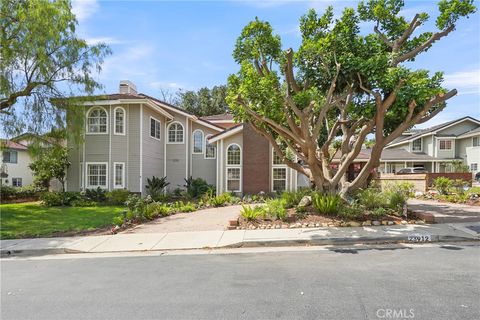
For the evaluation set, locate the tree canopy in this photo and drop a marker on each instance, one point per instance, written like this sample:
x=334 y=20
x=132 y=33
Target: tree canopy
x=42 y=59
x=205 y=101
x=340 y=85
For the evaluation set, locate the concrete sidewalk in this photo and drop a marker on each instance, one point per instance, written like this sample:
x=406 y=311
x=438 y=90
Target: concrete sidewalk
x=238 y=238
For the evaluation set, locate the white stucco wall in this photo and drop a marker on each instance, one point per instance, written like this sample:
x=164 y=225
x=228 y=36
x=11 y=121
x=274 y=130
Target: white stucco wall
x=19 y=169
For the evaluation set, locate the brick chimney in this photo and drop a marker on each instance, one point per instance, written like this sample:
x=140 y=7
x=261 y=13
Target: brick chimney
x=127 y=87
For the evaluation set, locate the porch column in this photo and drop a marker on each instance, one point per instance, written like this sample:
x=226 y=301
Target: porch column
x=386 y=168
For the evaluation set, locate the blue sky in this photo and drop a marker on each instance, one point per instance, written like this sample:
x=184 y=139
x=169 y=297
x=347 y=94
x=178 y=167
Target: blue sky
x=188 y=44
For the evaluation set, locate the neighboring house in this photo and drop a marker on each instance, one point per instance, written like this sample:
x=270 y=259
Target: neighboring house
x=15 y=162
x=130 y=137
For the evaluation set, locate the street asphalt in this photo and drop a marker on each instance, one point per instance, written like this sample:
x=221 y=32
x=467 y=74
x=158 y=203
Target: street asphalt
x=440 y=281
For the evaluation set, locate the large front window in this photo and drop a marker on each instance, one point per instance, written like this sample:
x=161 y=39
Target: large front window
x=175 y=133
x=197 y=141
x=233 y=179
x=417 y=145
x=279 y=179
x=97 y=175
x=97 y=121
x=234 y=155
x=445 y=144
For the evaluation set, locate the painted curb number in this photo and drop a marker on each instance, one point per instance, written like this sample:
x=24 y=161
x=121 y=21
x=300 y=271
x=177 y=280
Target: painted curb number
x=420 y=238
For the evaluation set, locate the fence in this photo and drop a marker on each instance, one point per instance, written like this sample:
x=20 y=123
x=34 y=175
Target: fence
x=465 y=176
x=422 y=181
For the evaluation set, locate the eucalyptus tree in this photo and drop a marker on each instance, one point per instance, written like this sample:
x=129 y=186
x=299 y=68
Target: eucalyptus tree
x=340 y=86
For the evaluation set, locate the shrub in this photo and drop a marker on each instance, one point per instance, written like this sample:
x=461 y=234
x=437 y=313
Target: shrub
x=97 y=195
x=326 y=204
x=275 y=208
x=396 y=200
x=118 y=220
x=7 y=192
x=351 y=212
x=222 y=199
x=250 y=213
x=179 y=206
x=197 y=187
x=292 y=198
x=372 y=198
x=379 y=213
x=82 y=203
x=442 y=184
x=136 y=206
x=156 y=187
x=406 y=189
x=53 y=199
x=25 y=192
x=474 y=191
x=117 y=196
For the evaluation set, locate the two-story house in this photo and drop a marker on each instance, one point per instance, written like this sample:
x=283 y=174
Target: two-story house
x=130 y=137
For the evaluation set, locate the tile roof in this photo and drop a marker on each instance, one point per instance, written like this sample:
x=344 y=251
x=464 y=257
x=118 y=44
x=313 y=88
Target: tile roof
x=219 y=117
x=8 y=144
x=393 y=154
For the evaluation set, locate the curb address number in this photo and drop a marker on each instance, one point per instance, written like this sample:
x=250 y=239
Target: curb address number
x=420 y=238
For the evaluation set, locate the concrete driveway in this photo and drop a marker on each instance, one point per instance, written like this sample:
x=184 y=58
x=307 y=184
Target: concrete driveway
x=203 y=220
x=443 y=212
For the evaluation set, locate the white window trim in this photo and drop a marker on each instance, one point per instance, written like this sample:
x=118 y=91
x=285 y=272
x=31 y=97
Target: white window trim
x=86 y=122
x=234 y=166
x=16 y=179
x=202 y=141
x=115 y=121
x=116 y=186
x=241 y=155
x=421 y=145
x=82 y=175
x=280 y=166
x=150 y=128
x=452 y=144
x=478 y=141
x=88 y=186
x=167 y=138
x=214 y=144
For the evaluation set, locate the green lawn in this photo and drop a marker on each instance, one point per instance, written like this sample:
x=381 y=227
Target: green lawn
x=24 y=220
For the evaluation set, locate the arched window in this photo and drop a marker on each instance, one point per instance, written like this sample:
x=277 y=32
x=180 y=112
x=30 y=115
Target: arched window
x=210 y=149
x=119 y=120
x=97 y=121
x=234 y=155
x=175 y=133
x=198 y=141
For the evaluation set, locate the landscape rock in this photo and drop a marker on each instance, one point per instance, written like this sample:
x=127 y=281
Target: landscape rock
x=354 y=224
x=419 y=222
x=376 y=223
x=390 y=223
x=404 y=222
x=306 y=201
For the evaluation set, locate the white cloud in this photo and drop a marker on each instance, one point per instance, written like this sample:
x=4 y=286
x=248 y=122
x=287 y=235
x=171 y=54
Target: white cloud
x=133 y=62
x=83 y=9
x=466 y=82
x=166 y=85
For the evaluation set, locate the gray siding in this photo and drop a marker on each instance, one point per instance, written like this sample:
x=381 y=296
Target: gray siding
x=153 y=149
x=201 y=167
x=132 y=170
x=176 y=157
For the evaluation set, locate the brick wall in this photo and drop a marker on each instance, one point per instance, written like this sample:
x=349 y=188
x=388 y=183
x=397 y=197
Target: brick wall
x=256 y=162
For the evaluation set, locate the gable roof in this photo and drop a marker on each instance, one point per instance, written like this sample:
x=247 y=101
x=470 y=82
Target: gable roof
x=431 y=130
x=470 y=133
x=226 y=133
x=8 y=144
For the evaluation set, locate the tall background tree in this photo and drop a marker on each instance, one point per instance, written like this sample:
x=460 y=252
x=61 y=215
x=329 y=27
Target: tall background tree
x=42 y=59
x=205 y=101
x=340 y=86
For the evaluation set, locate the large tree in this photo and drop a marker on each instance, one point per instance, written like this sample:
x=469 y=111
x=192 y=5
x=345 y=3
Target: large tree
x=340 y=85
x=205 y=101
x=41 y=58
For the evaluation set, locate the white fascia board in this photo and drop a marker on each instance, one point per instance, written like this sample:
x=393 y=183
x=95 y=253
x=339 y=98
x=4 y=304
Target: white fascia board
x=154 y=106
x=457 y=122
x=208 y=125
x=409 y=140
x=186 y=114
x=226 y=134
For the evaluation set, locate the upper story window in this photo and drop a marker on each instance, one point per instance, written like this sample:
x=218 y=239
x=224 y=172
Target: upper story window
x=210 y=149
x=417 y=145
x=198 y=141
x=445 y=144
x=234 y=155
x=476 y=142
x=277 y=159
x=155 y=128
x=175 y=133
x=119 y=120
x=10 y=156
x=97 y=120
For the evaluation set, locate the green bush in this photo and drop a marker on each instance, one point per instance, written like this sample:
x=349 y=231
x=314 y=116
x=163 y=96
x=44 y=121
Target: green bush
x=250 y=213
x=53 y=199
x=7 y=192
x=222 y=199
x=351 y=212
x=326 y=204
x=474 y=191
x=292 y=198
x=117 y=196
x=136 y=207
x=197 y=187
x=372 y=198
x=396 y=200
x=118 y=220
x=180 y=206
x=155 y=187
x=406 y=189
x=275 y=208
x=378 y=213
x=443 y=184
x=82 y=203
x=97 y=195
